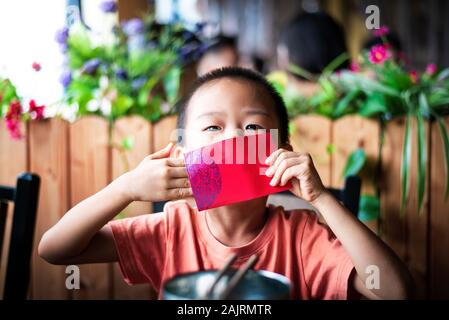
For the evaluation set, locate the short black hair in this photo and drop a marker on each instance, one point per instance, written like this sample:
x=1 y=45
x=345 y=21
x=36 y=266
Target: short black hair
x=313 y=41
x=245 y=74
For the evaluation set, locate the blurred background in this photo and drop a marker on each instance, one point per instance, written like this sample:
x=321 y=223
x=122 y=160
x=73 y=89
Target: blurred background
x=89 y=88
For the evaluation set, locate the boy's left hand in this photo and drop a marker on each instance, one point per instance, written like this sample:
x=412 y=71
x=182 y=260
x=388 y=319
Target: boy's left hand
x=298 y=167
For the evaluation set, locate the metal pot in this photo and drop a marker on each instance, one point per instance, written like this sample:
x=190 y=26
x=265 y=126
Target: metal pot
x=256 y=285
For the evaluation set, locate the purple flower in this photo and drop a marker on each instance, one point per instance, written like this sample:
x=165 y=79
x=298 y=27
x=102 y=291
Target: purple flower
x=91 y=66
x=133 y=27
x=62 y=36
x=65 y=78
x=108 y=6
x=121 y=74
x=138 y=83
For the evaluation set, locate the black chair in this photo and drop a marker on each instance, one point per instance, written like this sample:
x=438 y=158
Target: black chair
x=25 y=198
x=349 y=195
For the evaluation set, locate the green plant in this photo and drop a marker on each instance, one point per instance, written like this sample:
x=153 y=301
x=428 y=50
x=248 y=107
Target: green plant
x=379 y=87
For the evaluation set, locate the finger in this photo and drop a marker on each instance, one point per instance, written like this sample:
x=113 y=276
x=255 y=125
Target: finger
x=164 y=153
x=283 y=156
x=179 y=193
x=176 y=162
x=178 y=183
x=177 y=172
x=290 y=173
x=287 y=163
x=273 y=156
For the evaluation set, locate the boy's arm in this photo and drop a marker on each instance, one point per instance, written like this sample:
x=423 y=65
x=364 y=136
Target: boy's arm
x=82 y=236
x=363 y=246
x=365 y=250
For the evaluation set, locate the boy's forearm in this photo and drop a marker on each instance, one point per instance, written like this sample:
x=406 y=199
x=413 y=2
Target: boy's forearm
x=72 y=234
x=365 y=248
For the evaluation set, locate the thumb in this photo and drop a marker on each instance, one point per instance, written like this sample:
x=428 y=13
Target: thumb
x=163 y=153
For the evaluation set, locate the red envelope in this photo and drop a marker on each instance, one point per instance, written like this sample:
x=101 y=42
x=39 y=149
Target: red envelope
x=231 y=170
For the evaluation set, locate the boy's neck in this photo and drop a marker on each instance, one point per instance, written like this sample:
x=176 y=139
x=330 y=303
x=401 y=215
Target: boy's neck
x=238 y=224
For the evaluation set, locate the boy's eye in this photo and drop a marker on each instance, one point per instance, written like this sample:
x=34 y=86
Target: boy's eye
x=253 y=127
x=212 y=128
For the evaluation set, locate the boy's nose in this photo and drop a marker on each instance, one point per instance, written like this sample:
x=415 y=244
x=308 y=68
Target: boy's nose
x=233 y=132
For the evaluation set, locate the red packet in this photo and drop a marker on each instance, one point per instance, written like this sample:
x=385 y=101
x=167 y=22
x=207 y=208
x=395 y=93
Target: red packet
x=231 y=170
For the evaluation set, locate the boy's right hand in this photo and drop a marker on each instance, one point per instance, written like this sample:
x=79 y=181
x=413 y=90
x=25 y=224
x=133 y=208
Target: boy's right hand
x=157 y=178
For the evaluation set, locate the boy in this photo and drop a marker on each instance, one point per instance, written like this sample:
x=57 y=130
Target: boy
x=153 y=248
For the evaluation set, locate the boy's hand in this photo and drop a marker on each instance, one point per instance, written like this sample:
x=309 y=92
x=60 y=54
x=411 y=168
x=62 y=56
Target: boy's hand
x=298 y=167
x=157 y=178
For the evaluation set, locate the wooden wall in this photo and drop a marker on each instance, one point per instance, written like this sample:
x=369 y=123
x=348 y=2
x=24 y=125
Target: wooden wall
x=74 y=161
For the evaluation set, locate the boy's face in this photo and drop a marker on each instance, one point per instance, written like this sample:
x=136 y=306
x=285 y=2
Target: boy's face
x=226 y=108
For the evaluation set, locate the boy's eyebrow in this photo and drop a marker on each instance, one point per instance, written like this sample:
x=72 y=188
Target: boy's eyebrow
x=257 y=111
x=211 y=113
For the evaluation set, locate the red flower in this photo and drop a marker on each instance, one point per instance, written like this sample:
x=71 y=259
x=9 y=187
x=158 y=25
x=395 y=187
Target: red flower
x=382 y=31
x=355 y=67
x=37 y=112
x=36 y=66
x=413 y=76
x=431 y=69
x=378 y=54
x=12 y=119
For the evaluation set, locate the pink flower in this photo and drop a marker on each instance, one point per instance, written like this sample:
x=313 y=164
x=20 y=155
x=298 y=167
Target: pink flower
x=12 y=119
x=431 y=69
x=378 y=54
x=37 y=112
x=36 y=66
x=382 y=31
x=413 y=76
x=355 y=67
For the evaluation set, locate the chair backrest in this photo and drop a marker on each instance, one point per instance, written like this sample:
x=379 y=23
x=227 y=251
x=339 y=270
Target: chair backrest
x=25 y=198
x=349 y=196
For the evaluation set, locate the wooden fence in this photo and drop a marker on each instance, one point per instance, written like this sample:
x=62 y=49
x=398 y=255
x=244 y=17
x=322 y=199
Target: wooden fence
x=75 y=161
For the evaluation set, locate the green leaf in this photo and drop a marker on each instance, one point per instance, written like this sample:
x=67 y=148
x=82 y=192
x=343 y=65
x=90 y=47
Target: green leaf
x=445 y=138
x=355 y=163
x=301 y=72
x=405 y=165
x=374 y=104
x=128 y=143
x=171 y=84
x=334 y=64
x=358 y=81
x=121 y=105
x=343 y=104
x=369 y=208
x=330 y=148
x=422 y=159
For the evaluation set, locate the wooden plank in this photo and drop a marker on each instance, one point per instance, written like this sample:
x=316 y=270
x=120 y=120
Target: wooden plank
x=89 y=171
x=348 y=134
x=139 y=130
x=393 y=227
x=13 y=161
x=312 y=134
x=439 y=220
x=416 y=256
x=13 y=156
x=163 y=132
x=49 y=159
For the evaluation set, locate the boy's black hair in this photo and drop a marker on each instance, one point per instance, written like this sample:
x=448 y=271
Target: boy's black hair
x=313 y=40
x=244 y=74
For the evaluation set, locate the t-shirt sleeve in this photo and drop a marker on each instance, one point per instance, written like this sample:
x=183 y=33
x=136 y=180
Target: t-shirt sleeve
x=141 y=246
x=326 y=265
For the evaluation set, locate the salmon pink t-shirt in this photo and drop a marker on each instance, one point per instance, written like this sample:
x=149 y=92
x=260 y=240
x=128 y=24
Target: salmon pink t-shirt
x=155 y=247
